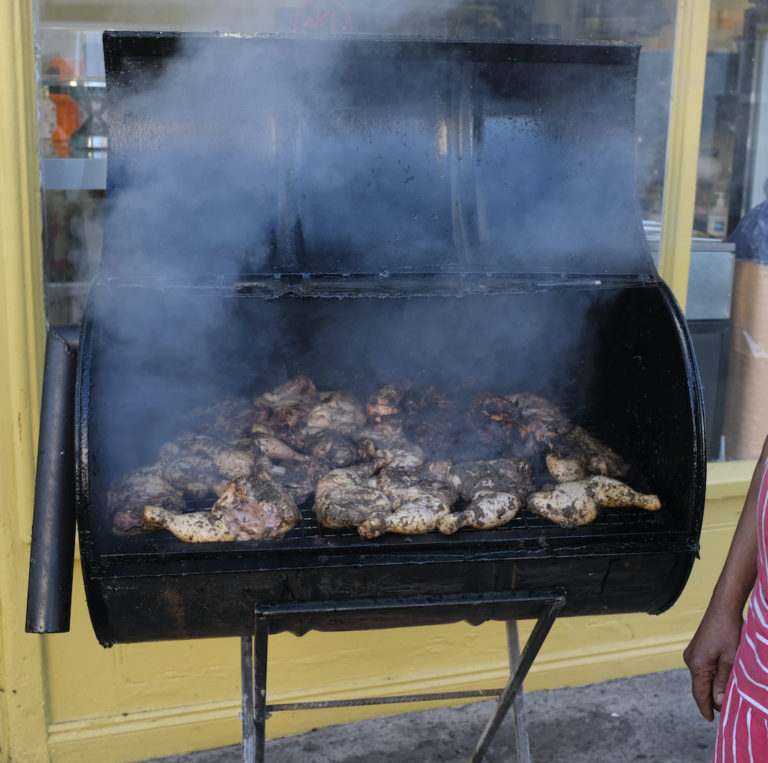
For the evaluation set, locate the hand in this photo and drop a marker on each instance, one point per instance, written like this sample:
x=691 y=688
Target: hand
x=710 y=657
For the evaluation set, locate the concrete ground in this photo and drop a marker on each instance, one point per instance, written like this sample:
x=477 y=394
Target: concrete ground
x=649 y=718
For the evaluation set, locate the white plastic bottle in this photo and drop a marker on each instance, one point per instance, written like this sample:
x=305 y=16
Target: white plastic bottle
x=717 y=219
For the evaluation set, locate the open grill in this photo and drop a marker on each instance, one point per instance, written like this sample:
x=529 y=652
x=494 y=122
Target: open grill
x=480 y=220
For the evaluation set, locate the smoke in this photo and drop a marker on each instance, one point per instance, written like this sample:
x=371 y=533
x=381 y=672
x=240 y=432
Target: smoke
x=237 y=157
x=256 y=154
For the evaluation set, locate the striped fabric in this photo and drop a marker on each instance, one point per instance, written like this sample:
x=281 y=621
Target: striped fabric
x=742 y=734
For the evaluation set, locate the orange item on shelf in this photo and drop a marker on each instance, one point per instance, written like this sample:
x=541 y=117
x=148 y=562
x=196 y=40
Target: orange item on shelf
x=67 y=110
x=67 y=121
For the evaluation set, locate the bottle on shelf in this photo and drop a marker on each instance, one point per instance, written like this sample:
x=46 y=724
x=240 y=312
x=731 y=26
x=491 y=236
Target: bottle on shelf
x=717 y=218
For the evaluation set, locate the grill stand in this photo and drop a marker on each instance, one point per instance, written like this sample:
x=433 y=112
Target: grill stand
x=253 y=653
x=522 y=744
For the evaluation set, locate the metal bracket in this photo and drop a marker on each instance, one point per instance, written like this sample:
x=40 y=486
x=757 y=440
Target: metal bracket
x=253 y=653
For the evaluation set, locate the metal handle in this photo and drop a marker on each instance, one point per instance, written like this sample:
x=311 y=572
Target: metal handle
x=49 y=593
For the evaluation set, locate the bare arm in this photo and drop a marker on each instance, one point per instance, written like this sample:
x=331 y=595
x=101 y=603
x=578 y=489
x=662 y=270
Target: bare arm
x=712 y=650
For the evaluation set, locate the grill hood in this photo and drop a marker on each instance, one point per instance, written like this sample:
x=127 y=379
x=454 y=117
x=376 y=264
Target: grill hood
x=237 y=155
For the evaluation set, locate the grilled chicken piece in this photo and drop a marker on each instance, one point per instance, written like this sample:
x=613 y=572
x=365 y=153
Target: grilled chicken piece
x=253 y=508
x=541 y=423
x=496 y=490
x=565 y=469
x=231 y=460
x=268 y=444
x=385 y=401
x=195 y=475
x=232 y=456
x=389 y=445
x=489 y=508
x=571 y=504
x=228 y=419
x=405 y=457
x=494 y=420
x=417 y=512
x=499 y=474
x=419 y=500
x=494 y=408
x=195 y=527
x=338 y=410
x=388 y=432
x=289 y=404
x=347 y=497
x=441 y=438
x=397 y=483
x=200 y=465
x=428 y=402
x=333 y=448
x=535 y=406
x=257 y=507
x=434 y=421
x=578 y=454
x=128 y=495
x=299 y=478
x=324 y=445
x=298 y=388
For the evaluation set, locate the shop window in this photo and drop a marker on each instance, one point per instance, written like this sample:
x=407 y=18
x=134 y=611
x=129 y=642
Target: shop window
x=730 y=196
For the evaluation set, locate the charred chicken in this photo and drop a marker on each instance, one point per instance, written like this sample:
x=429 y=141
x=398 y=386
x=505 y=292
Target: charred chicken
x=410 y=460
x=250 y=508
x=572 y=504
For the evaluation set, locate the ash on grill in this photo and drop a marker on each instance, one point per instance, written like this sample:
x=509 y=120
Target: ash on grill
x=409 y=461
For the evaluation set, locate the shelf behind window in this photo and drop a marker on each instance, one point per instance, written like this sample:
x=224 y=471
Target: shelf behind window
x=81 y=174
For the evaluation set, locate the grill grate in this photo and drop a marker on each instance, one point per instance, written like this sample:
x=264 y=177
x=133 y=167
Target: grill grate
x=525 y=523
x=526 y=531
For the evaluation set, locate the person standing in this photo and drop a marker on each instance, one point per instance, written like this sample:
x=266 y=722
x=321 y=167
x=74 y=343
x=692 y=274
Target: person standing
x=727 y=657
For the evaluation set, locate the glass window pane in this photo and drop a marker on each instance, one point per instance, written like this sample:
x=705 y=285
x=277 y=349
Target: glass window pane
x=730 y=205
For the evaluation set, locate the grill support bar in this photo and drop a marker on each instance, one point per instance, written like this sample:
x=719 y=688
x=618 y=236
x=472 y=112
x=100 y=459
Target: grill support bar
x=253 y=654
x=253 y=665
x=522 y=743
x=515 y=683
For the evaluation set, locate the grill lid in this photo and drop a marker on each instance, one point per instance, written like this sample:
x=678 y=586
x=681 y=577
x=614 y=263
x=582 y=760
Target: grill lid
x=237 y=155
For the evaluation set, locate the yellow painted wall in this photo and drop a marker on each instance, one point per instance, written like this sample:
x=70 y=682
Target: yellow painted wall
x=64 y=698
x=22 y=712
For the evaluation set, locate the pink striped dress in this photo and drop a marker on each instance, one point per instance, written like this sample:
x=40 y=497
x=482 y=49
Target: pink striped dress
x=742 y=734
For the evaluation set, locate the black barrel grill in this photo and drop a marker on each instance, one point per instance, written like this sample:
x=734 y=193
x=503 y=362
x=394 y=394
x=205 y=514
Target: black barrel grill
x=366 y=210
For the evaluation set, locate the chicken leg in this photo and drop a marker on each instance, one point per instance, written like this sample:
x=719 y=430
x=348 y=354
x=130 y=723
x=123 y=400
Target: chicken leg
x=252 y=508
x=572 y=504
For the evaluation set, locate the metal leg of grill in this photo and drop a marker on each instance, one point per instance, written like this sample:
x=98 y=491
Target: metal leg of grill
x=253 y=653
x=512 y=689
x=253 y=662
x=518 y=707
